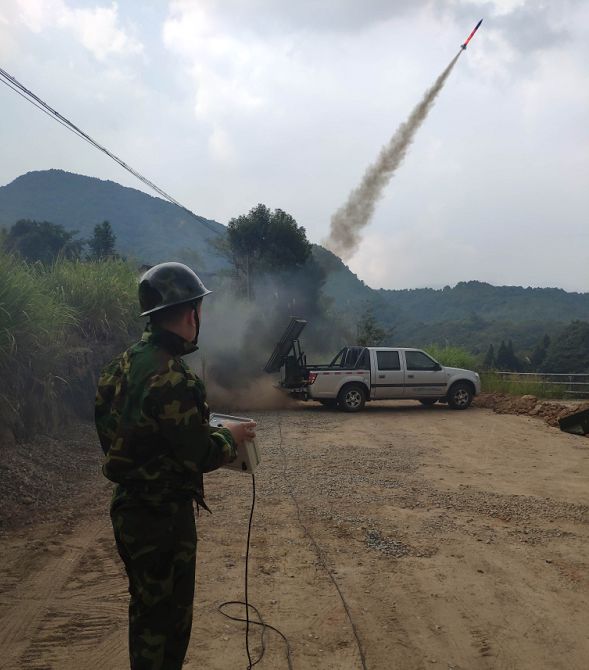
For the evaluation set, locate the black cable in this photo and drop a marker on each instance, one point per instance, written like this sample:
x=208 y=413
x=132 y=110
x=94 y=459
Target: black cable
x=247 y=558
x=28 y=95
x=319 y=552
x=22 y=95
x=247 y=604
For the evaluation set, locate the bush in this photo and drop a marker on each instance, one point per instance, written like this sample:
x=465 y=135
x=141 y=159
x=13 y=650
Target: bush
x=453 y=357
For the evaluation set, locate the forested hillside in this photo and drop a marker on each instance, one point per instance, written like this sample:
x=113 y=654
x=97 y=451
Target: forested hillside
x=148 y=229
x=471 y=314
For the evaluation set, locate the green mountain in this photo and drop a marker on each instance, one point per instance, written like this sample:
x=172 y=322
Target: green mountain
x=471 y=314
x=474 y=300
x=147 y=228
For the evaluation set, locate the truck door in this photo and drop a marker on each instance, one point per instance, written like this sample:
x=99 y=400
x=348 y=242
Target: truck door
x=424 y=378
x=387 y=378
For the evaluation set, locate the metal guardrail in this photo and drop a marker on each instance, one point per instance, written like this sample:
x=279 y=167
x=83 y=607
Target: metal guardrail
x=569 y=384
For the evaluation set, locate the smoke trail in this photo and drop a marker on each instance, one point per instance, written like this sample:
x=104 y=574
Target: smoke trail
x=351 y=218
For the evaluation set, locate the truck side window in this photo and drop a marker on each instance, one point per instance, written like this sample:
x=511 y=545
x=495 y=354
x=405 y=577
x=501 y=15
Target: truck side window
x=417 y=360
x=388 y=360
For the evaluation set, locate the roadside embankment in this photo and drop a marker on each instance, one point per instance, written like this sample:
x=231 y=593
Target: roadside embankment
x=549 y=410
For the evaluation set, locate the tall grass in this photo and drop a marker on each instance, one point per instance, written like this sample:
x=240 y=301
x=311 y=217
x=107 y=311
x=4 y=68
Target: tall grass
x=34 y=323
x=491 y=382
x=101 y=294
x=58 y=325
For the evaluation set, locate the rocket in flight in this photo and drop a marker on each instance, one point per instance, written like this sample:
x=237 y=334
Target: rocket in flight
x=463 y=46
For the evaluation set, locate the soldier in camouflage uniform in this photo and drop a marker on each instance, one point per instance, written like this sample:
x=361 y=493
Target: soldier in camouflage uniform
x=152 y=421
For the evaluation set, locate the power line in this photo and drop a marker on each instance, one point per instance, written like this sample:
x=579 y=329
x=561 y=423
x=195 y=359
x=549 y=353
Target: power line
x=12 y=83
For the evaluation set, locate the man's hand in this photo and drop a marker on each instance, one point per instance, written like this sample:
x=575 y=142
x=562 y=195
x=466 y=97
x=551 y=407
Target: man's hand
x=242 y=432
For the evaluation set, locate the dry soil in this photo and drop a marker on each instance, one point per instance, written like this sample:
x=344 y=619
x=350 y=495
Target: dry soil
x=456 y=539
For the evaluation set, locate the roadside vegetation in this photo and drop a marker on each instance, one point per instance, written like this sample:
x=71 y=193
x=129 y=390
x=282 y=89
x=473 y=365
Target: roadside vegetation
x=61 y=315
x=533 y=385
x=539 y=385
x=454 y=357
x=101 y=295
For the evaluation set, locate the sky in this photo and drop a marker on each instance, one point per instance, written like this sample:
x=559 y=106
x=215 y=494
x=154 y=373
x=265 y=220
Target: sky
x=228 y=103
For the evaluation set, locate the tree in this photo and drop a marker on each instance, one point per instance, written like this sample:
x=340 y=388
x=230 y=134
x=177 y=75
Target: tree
x=507 y=359
x=514 y=362
x=489 y=363
x=569 y=352
x=539 y=353
x=41 y=241
x=368 y=331
x=262 y=242
x=502 y=358
x=102 y=243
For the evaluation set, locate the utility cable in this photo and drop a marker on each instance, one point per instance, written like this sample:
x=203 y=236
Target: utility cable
x=245 y=581
x=22 y=95
x=12 y=83
x=248 y=622
x=319 y=552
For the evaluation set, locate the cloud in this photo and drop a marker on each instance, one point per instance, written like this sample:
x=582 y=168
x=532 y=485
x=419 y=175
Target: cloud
x=240 y=53
x=97 y=29
x=222 y=66
x=268 y=16
x=533 y=26
x=525 y=24
x=221 y=147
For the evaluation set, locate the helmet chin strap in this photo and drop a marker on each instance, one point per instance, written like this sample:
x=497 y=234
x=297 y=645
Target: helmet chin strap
x=195 y=340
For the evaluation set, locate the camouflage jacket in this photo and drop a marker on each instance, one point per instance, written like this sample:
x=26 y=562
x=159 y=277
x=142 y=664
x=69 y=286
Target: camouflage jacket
x=152 y=420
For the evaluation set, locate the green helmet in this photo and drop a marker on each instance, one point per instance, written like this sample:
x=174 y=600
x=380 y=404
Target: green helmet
x=169 y=284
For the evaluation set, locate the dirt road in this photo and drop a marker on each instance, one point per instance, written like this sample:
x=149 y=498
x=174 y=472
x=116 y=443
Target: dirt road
x=457 y=540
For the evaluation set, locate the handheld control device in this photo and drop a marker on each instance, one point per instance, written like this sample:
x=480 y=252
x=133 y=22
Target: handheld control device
x=248 y=457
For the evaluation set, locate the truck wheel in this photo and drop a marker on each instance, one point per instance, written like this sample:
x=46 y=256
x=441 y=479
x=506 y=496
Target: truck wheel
x=460 y=395
x=352 y=398
x=428 y=402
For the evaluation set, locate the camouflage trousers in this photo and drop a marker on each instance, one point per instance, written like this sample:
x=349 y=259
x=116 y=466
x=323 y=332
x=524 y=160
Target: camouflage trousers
x=156 y=538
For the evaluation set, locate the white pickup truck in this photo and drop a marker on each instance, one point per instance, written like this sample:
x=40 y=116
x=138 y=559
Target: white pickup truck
x=384 y=373
x=360 y=374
